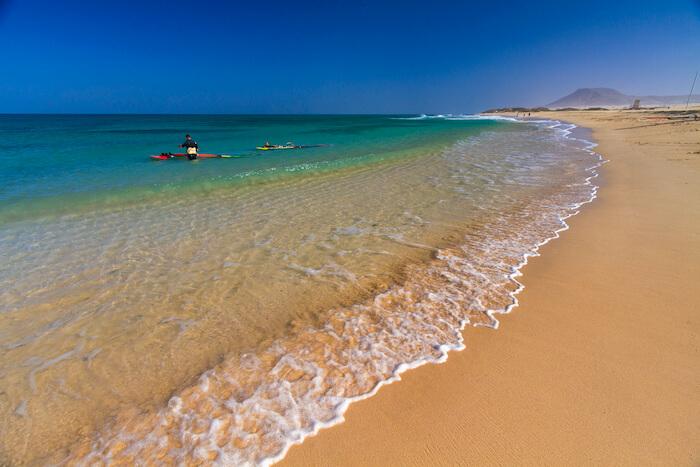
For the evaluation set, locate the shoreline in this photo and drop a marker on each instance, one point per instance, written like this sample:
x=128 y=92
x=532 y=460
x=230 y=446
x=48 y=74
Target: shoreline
x=580 y=191
x=446 y=350
x=431 y=420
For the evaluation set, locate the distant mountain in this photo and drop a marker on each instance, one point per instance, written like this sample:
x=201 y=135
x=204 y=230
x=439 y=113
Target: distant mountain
x=592 y=97
x=605 y=97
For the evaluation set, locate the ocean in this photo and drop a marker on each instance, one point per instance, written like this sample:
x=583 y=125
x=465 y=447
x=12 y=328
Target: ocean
x=221 y=310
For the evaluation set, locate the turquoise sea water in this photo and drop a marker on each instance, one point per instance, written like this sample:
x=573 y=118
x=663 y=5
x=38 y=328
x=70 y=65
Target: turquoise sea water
x=65 y=162
x=220 y=310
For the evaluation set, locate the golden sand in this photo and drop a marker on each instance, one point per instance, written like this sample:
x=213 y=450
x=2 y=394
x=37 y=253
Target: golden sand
x=601 y=362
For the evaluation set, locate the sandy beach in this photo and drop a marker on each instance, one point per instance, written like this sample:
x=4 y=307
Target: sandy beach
x=600 y=363
x=299 y=238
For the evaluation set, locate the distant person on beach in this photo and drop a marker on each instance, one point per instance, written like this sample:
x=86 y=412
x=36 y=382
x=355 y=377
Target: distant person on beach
x=191 y=147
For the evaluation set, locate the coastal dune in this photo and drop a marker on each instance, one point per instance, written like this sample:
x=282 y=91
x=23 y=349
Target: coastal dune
x=600 y=363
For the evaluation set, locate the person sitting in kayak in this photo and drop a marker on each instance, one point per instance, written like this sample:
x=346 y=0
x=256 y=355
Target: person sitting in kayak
x=268 y=145
x=191 y=147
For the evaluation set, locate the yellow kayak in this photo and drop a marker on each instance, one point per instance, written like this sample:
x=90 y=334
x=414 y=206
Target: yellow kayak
x=274 y=148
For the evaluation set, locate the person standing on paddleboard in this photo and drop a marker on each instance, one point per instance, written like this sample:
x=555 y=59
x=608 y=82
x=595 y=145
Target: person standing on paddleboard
x=191 y=147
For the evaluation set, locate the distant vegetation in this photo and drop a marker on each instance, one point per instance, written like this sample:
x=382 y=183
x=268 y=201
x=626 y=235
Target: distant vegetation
x=538 y=109
x=517 y=109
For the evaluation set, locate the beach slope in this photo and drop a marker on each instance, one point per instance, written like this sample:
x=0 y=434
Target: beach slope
x=600 y=364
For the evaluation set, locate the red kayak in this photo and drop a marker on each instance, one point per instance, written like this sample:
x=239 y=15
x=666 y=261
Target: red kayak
x=163 y=157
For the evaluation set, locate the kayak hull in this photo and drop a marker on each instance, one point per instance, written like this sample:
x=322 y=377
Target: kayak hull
x=165 y=157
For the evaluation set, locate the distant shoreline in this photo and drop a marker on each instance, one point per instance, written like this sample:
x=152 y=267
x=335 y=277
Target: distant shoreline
x=677 y=109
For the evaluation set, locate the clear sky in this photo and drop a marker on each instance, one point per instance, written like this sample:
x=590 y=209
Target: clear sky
x=269 y=56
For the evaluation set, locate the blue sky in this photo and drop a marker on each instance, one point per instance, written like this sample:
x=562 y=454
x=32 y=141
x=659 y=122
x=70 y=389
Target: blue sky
x=360 y=56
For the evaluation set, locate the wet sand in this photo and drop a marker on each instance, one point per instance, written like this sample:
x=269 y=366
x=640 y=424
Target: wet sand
x=600 y=363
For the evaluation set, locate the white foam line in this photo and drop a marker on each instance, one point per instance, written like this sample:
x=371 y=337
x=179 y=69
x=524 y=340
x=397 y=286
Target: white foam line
x=564 y=225
x=445 y=348
x=459 y=117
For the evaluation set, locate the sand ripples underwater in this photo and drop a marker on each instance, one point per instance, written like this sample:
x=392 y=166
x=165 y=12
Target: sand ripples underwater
x=250 y=409
x=288 y=302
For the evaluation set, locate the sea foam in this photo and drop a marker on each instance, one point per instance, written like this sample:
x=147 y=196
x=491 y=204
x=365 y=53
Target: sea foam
x=250 y=409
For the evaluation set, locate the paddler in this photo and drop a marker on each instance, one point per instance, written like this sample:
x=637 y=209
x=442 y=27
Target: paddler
x=191 y=147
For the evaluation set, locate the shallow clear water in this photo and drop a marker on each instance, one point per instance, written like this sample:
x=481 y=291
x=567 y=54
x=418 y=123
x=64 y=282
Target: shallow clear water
x=222 y=309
